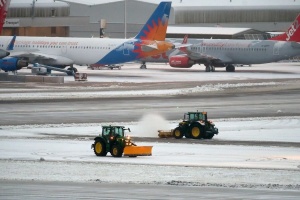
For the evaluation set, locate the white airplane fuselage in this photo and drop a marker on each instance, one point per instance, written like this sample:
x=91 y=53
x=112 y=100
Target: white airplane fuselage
x=243 y=51
x=68 y=51
x=234 y=51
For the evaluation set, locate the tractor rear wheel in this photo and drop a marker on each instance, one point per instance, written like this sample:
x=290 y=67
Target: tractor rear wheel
x=116 y=151
x=196 y=131
x=99 y=148
x=178 y=133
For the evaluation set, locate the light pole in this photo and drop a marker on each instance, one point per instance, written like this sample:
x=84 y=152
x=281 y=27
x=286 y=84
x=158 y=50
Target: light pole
x=125 y=19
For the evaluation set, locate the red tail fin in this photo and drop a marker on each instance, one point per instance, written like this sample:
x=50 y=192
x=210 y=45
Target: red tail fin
x=292 y=34
x=183 y=49
x=3 y=10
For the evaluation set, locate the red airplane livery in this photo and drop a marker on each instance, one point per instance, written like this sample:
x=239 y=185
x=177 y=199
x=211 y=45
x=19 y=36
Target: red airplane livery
x=3 y=11
x=291 y=34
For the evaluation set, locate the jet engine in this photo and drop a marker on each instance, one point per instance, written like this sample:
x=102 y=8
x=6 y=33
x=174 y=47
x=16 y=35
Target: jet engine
x=181 y=61
x=12 y=64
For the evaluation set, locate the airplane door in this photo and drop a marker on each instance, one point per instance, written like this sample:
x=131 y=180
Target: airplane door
x=276 y=49
x=125 y=49
x=63 y=49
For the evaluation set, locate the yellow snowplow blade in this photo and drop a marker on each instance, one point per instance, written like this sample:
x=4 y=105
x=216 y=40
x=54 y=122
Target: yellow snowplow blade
x=165 y=133
x=133 y=151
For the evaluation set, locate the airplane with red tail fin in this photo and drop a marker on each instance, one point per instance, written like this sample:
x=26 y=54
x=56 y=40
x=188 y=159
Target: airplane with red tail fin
x=292 y=34
x=229 y=53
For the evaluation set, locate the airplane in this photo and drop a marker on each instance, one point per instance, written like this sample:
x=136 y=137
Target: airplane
x=59 y=52
x=4 y=4
x=230 y=53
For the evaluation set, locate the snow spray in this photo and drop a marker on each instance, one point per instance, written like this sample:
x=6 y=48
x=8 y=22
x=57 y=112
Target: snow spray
x=149 y=125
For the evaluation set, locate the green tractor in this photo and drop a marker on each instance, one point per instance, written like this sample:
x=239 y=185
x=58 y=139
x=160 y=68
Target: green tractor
x=195 y=125
x=113 y=140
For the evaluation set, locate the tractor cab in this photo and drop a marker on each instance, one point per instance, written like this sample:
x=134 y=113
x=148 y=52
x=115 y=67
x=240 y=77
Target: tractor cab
x=195 y=116
x=112 y=132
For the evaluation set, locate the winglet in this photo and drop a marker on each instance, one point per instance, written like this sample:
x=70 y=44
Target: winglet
x=182 y=46
x=292 y=34
x=184 y=42
x=156 y=26
x=11 y=44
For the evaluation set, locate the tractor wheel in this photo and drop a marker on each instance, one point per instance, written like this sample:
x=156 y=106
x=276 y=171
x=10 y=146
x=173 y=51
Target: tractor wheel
x=116 y=151
x=196 y=131
x=99 y=148
x=178 y=133
x=187 y=133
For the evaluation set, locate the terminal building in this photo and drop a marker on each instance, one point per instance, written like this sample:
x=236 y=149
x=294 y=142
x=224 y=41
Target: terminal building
x=238 y=19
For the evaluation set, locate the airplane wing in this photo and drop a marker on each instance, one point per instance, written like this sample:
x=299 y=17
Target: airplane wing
x=180 y=45
x=204 y=56
x=36 y=55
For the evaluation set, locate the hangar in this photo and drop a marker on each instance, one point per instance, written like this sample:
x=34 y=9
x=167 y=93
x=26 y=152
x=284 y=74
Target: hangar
x=124 y=18
x=215 y=33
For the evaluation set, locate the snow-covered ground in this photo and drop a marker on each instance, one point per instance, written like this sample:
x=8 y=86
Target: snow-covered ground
x=251 y=156
x=33 y=152
x=14 y=94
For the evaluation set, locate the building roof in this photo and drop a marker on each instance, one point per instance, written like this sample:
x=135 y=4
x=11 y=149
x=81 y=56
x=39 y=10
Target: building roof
x=187 y=4
x=205 y=30
x=39 y=3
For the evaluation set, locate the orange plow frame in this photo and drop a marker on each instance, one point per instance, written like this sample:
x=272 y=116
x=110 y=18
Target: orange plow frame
x=133 y=151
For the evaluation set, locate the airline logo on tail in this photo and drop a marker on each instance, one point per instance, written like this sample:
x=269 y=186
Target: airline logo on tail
x=292 y=30
x=292 y=34
x=152 y=36
x=3 y=11
x=149 y=41
x=156 y=26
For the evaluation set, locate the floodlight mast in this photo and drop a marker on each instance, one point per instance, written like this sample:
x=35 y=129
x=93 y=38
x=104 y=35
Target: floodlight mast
x=125 y=19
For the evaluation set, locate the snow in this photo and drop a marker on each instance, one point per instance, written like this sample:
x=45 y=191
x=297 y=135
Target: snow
x=15 y=95
x=30 y=152
x=62 y=152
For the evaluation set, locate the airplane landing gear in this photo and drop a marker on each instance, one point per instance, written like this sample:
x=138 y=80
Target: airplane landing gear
x=143 y=66
x=210 y=68
x=230 y=68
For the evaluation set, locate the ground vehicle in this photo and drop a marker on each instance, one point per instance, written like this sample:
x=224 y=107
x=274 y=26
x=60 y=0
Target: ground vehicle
x=114 y=141
x=194 y=125
x=98 y=67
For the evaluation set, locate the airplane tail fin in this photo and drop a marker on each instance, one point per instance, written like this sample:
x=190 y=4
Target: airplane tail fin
x=156 y=26
x=11 y=44
x=3 y=11
x=292 y=34
x=183 y=48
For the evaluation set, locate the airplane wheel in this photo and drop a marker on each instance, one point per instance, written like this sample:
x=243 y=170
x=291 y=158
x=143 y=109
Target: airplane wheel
x=213 y=69
x=230 y=68
x=207 y=68
x=143 y=67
